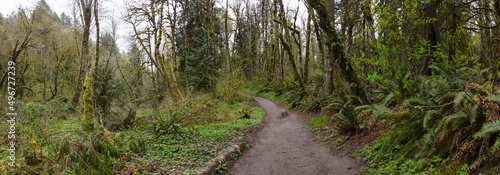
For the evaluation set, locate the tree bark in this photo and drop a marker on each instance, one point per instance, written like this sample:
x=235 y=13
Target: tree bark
x=86 y=7
x=96 y=17
x=336 y=47
x=327 y=70
x=229 y=61
x=305 y=74
x=286 y=46
x=431 y=32
x=186 y=47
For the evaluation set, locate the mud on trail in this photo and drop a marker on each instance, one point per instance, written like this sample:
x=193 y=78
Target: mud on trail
x=286 y=145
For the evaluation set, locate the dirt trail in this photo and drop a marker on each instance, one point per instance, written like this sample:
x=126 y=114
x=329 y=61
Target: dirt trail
x=286 y=145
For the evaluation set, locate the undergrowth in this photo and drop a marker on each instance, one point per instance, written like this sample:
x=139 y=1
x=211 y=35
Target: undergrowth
x=446 y=123
x=175 y=139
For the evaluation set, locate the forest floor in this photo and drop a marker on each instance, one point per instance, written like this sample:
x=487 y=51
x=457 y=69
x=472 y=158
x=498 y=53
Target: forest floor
x=286 y=145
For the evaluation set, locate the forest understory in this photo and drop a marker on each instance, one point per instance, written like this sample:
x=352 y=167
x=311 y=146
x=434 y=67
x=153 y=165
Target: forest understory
x=410 y=87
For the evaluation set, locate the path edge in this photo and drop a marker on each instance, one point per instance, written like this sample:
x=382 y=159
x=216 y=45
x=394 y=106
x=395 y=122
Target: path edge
x=210 y=167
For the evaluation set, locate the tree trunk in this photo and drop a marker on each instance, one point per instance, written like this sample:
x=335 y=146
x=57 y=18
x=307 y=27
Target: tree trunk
x=336 y=49
x=365 y=7
x=96 y=16
x=431 y=31
x=406 y=41
x=186 y=47
x=327 y=70
x=305 y=74
x=228 y=54
x=286 y=46
x=85 y=57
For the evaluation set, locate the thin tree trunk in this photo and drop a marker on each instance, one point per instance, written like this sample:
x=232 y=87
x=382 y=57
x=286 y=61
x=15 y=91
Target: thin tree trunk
x=96 y=16
x=305 y=74
x=229 y=61
x=186 y=47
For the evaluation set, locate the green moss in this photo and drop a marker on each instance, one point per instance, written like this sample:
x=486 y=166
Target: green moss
x=88 y=109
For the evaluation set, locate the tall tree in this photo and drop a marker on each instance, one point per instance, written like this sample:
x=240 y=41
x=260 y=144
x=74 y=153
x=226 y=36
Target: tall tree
x=85 y=7
x=228 y=54
x=97 y=28
x=85 y=68
x=336 y=48
x=284 y=40
x=21 y=42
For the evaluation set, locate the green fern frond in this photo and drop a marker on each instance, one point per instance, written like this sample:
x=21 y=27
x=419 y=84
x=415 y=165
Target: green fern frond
x=379 y=110
x=428 y=117
x=425 y=144
x=414 y=101
x=488 y=128
x=496 y=145
x=460 y=96
x=493 y=98
x=387 y=99
x=362 y=107
x=446 y=120
x=443 y=71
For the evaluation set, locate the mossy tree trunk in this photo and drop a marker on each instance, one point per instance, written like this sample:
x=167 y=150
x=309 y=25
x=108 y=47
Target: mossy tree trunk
x=336 y=47
x=86 y=8
x=286 y=46
x=88 y=108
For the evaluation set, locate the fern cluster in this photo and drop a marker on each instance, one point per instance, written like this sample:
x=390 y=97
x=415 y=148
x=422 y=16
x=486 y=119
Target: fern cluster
x=446 y=118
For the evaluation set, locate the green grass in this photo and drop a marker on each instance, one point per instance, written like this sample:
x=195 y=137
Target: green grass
x=315 y=122
x=193 y=146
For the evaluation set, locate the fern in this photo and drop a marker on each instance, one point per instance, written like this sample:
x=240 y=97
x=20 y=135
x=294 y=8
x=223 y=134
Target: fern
x=387 y=99
x=488 y=128
x=493 y=98
x=447 y=72
x=496 y=145
x=414 y=101
x=460 y=96
x=446 y=120
x=428 y=117
x=362 y=107
x=379 y=110
x=425 y=143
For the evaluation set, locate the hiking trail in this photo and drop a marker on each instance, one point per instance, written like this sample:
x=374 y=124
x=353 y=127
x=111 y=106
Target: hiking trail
x=285 y=145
